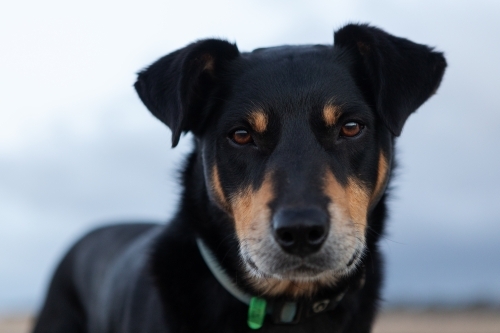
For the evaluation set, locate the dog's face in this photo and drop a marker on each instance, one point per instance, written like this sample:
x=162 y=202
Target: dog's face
x=296 y=142
x=297 y=158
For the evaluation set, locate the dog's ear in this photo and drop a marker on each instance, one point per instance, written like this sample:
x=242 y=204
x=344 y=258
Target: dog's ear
x=176 y=87
x=396 y=75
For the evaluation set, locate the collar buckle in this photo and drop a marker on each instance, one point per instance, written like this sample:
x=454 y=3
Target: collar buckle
x=320 y=306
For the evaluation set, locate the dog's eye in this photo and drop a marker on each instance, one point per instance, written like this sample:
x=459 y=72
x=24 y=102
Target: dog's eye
x=241 y=137
x=351 y=129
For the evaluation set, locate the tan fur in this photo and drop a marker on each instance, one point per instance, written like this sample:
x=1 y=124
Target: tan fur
x=350 y=202
x=358 y=200
x=217 y=190
x=331 y=114
x=258 y=121
x=252 y=217
x=251 y=211
x=275 y=287
x=383 y=168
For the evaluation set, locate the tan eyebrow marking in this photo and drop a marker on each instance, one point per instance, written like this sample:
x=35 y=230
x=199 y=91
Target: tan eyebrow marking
x=331 y=114
x=208 y=62
x=258 y=120
x=363 y=48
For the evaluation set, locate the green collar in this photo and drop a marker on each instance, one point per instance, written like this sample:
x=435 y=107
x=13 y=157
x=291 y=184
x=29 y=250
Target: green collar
x=282 y=312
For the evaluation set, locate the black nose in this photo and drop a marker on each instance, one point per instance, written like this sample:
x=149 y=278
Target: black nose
x=300 y=231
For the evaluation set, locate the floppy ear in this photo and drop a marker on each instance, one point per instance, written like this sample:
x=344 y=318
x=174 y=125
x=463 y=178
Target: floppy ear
x=396 y=75
x=176 y=87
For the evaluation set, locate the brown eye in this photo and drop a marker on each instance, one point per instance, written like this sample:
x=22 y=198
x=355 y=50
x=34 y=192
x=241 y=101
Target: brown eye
x=241 y=137
x=351 y=129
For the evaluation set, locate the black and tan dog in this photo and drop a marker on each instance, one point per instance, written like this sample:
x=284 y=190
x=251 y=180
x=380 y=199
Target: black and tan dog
x=284 y=193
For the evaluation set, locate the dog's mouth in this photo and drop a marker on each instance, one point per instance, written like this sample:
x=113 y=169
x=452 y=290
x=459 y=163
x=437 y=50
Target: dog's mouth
x=304 y=272
x=291 y=270
x=296 y=272
x=269 y=261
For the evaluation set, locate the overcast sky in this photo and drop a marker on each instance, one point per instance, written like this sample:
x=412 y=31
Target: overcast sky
x=78 y=149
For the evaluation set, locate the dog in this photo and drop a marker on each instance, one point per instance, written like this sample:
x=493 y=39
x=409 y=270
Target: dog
x=284 y=194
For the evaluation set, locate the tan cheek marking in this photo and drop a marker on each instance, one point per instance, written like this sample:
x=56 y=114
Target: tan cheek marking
x=258 y=120
x=251 y=211
x=358 y=200
x=336 y=192
x=331 y=114
x=352 y=200
x=217 y=190
x=252 y=215
x=383 y=167
x=242 y=211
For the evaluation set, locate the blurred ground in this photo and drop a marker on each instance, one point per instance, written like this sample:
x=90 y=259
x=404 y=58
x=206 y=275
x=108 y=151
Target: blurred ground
x=393 y=321
x=439 y=321
x=17 y=324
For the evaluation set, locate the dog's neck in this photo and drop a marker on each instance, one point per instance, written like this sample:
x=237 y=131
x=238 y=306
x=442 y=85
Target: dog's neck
x=219 y=273
x=282 y=311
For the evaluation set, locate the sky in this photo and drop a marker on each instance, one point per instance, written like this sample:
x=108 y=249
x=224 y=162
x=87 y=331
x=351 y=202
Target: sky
x=78 y=149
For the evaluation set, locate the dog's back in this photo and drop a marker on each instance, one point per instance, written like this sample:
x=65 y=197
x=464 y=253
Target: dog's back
x=98 y=277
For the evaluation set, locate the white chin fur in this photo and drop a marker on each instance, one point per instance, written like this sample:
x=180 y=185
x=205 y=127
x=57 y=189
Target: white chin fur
x=260 y=267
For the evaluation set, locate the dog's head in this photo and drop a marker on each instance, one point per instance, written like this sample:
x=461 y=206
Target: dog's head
x=296 y=141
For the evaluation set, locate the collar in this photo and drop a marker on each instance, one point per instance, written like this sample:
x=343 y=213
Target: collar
x=281 y=311
x=221 y=275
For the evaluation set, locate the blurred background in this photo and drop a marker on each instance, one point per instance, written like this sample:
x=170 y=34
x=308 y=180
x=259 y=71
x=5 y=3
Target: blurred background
x=78 y=149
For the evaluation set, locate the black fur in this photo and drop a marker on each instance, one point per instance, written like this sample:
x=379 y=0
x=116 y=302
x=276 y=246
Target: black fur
x=152 y=278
